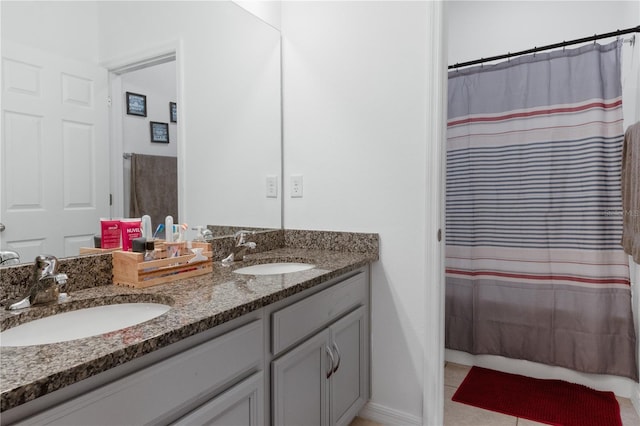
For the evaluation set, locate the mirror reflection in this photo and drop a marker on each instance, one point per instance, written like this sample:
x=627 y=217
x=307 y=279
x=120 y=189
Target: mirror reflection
x=64 y=147
x=149 y=94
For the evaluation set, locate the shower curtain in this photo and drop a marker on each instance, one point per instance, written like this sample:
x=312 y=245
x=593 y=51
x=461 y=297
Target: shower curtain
x=534 y=267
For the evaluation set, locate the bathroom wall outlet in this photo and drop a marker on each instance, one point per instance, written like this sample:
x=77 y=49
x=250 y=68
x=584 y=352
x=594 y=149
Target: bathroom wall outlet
x=272 y=187
x=296 y=186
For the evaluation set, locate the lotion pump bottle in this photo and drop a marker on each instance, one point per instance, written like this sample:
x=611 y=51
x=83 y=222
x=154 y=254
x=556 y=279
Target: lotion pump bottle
x=147 y=232
x=168 y=229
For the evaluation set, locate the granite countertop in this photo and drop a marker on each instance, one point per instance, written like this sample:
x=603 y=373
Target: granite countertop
x=198 y=304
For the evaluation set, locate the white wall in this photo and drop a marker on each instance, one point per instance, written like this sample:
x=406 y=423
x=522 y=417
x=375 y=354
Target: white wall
x=484 y=28
x=269 y=11
x=158 y=84
x=355 y=127
x=228 y=104
x=69 y=29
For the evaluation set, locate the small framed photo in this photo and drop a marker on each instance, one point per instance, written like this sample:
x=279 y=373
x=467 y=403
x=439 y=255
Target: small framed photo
x=159 y=132
x=136 y=104
x=173 y=112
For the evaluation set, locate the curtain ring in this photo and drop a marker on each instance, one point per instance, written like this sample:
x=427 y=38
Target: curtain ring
x=564 y=45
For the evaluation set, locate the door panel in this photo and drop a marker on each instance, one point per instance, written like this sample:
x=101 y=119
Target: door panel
x=23 y=173
x=55 y=152
x=240 y=405
x=300 y=384
x=348 y=390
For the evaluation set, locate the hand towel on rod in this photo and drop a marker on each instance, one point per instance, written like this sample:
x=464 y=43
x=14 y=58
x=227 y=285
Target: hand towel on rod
x=630 y=181
x=154 y=187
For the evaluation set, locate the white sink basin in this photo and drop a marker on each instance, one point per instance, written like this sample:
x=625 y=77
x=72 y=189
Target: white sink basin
x=274 y=268
x=81 y=323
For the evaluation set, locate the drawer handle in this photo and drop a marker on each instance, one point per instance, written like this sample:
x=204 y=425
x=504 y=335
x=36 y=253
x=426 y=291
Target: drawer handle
x=330 y=353
x=335 y=348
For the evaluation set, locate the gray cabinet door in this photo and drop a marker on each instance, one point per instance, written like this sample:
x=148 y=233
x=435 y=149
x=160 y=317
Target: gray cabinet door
x=242 y=405
x=348 y=382
x=323 y=381
x=299 y=380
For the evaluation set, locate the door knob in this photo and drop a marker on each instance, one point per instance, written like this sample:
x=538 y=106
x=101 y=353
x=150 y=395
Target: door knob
x=1 y=227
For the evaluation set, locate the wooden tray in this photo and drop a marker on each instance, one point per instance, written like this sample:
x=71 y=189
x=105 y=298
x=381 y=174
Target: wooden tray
x=130 y=269
x=92 y=250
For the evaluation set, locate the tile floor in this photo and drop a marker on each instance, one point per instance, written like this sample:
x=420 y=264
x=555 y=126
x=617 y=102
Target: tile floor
x=457 y=414
x=359 y=421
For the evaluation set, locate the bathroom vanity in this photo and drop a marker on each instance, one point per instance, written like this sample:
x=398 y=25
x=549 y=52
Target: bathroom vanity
x=234 y=349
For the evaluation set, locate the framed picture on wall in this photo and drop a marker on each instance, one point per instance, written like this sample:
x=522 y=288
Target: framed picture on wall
x=136 y=104
x=173 y=112
x=159 y=132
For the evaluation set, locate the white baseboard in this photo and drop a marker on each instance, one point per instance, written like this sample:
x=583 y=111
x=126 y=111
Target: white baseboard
x=388 y=416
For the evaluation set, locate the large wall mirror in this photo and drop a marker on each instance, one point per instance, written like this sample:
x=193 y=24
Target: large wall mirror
x=64 y=151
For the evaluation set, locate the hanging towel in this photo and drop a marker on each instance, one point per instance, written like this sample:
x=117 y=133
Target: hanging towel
x=631 y=192
x=154 y=187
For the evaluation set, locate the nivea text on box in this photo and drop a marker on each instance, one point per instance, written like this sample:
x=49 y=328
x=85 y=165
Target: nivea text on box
x=131 y=229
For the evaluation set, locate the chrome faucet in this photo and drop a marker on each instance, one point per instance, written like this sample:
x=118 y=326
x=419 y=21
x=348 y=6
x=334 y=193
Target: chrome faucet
x=241 y=246
x=207 y=235
x=9 y=257
x=45 y=283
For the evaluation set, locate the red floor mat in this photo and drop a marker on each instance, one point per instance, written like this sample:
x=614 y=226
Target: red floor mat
x=553 y=402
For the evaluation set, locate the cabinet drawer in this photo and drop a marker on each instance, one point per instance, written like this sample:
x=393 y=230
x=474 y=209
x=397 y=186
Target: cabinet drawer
x=300 y=320
x=157 y=392
x=240 y=405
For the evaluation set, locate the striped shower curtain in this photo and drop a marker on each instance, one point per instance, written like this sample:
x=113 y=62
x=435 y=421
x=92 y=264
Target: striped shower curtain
x=534 y=267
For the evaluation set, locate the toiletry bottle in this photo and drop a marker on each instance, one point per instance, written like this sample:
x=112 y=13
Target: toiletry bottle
x=147 y=232
x=150 y=250
x=168 y=229
x=110 y=233
x=131 y=229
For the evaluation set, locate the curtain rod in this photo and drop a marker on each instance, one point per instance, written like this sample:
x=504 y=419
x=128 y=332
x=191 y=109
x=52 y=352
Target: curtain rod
x=548 y=47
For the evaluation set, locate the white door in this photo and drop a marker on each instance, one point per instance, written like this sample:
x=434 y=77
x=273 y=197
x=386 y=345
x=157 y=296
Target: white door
x=55 y=153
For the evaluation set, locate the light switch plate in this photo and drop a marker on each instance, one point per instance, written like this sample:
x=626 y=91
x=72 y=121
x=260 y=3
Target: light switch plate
x=296 y=186
x=272 y=187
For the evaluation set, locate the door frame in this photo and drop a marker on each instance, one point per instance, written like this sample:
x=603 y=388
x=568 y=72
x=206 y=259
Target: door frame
x=116 y=67
x=435 y=161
